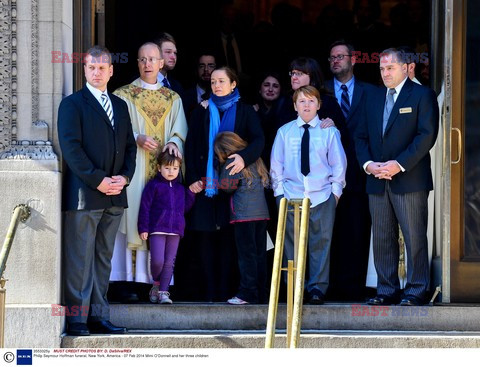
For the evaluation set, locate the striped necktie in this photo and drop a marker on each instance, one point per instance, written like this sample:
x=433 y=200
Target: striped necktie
x=107 y=107
x=345 y=105
x=388 y=107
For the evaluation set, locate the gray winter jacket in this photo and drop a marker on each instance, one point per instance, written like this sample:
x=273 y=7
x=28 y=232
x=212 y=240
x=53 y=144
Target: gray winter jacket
x=248 y=201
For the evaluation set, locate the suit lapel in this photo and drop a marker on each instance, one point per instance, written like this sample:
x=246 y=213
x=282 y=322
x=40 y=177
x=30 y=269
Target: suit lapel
x=402 y=98
x=92 y=102
x=357 y=96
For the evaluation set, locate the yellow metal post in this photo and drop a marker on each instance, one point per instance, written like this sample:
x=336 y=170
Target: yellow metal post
x=276 y=275
x=300 y=278
x=290 y=278
x=20 y=213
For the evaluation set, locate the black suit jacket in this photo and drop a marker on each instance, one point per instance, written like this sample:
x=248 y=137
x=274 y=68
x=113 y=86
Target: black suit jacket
x=92 y=149
x=410 y=133
x=355 y=176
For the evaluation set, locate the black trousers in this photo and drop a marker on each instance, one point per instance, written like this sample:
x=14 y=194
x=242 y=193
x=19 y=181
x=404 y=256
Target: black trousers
x=251 y=240
x=218 y=264
x=350 y=248
x=88 y=239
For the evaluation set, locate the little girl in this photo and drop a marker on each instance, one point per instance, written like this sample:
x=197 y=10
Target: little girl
x=161 y=219
x=249 y=214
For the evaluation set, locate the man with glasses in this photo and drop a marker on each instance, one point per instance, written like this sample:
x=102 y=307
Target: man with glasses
x=351 y=238
x=201 y=91
x=158 y=121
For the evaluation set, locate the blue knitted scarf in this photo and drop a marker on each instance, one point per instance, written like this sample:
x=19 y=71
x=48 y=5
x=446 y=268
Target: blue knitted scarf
x=227 y=105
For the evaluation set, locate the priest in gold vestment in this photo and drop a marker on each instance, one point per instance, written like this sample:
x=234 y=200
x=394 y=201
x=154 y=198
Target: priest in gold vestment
x=158 y=121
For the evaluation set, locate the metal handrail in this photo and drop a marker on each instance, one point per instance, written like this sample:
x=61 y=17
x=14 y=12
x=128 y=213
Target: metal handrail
x=20 y=213
x=294 y=302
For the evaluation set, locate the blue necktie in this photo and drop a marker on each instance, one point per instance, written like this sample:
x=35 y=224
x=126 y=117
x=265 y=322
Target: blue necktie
x=345 y=105
x=107 y=107
x=166 y=83
x=388 y=107
x=305 y=151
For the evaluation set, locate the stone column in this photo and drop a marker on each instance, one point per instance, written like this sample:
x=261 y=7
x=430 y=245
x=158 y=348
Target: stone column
x=31 y=88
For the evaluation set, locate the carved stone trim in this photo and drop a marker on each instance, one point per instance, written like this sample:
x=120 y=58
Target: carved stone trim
x=8 y=73
x=34 y=62
x=10 y=148
x=26 y=150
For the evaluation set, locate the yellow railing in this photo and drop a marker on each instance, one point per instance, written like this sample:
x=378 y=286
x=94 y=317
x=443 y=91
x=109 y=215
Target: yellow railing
x=295 y=265
x=20 y=213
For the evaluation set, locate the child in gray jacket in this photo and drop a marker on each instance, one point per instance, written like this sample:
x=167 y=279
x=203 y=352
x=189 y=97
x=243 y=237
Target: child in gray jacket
x=249 y=215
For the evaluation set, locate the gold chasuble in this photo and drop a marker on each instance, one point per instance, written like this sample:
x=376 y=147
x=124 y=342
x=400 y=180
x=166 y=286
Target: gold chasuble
x=157 y=113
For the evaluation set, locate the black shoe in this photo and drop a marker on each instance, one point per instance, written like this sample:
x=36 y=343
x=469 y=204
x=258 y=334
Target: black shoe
x=105 y=327
x=78 y=329
x=316 y=298
x=411 y=301
x=382 y=301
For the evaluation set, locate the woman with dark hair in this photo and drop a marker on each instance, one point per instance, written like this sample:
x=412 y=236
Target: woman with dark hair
x=269 y=106
x=306 y=71
x=208 y=220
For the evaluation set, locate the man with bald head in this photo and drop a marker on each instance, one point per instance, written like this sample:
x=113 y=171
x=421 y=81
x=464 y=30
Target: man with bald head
x=158 y=121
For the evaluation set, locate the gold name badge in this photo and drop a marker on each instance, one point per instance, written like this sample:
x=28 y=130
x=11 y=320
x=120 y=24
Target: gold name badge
x=406 y=110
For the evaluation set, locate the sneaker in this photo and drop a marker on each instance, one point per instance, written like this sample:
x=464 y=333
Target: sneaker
x=237 y=301
x=154 y=294
x=164 y=297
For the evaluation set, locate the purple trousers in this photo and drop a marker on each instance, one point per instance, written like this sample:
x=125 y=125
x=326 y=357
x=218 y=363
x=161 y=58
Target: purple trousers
x=163 y=250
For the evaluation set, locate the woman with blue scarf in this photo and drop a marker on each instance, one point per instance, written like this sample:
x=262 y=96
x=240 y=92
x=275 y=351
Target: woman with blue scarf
x=211 y=257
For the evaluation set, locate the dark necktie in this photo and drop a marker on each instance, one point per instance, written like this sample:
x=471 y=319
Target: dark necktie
x=388 y=107
x=231 y=59
x=107 y=107
x=345 y=105
x=166 y=83
x=305 y=154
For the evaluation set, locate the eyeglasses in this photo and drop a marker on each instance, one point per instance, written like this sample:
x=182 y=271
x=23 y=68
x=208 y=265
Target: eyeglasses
x=298 y=74
x=153 y=60
x=207 y=66
x=338 y=57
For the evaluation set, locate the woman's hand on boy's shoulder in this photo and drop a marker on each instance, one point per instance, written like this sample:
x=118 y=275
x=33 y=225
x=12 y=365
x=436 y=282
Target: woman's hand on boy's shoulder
x=327 y=122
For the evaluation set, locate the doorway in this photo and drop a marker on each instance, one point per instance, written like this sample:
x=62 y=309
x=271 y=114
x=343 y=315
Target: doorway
x=465 y=168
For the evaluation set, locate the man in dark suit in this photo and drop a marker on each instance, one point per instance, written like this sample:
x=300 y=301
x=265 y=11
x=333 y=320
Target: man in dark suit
x=201 y=90
x=351 y=236
x=168 y=50
x=398 y=128
x=99 y=150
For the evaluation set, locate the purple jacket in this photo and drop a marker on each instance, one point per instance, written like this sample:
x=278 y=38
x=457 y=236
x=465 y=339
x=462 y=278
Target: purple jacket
x=163 y=206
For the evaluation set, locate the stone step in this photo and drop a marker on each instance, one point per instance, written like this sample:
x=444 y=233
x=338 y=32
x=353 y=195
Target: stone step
x=256 y=339
x=331 y=316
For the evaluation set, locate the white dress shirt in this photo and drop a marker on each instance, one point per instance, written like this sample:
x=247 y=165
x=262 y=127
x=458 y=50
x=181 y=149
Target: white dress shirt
x=328 y=162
